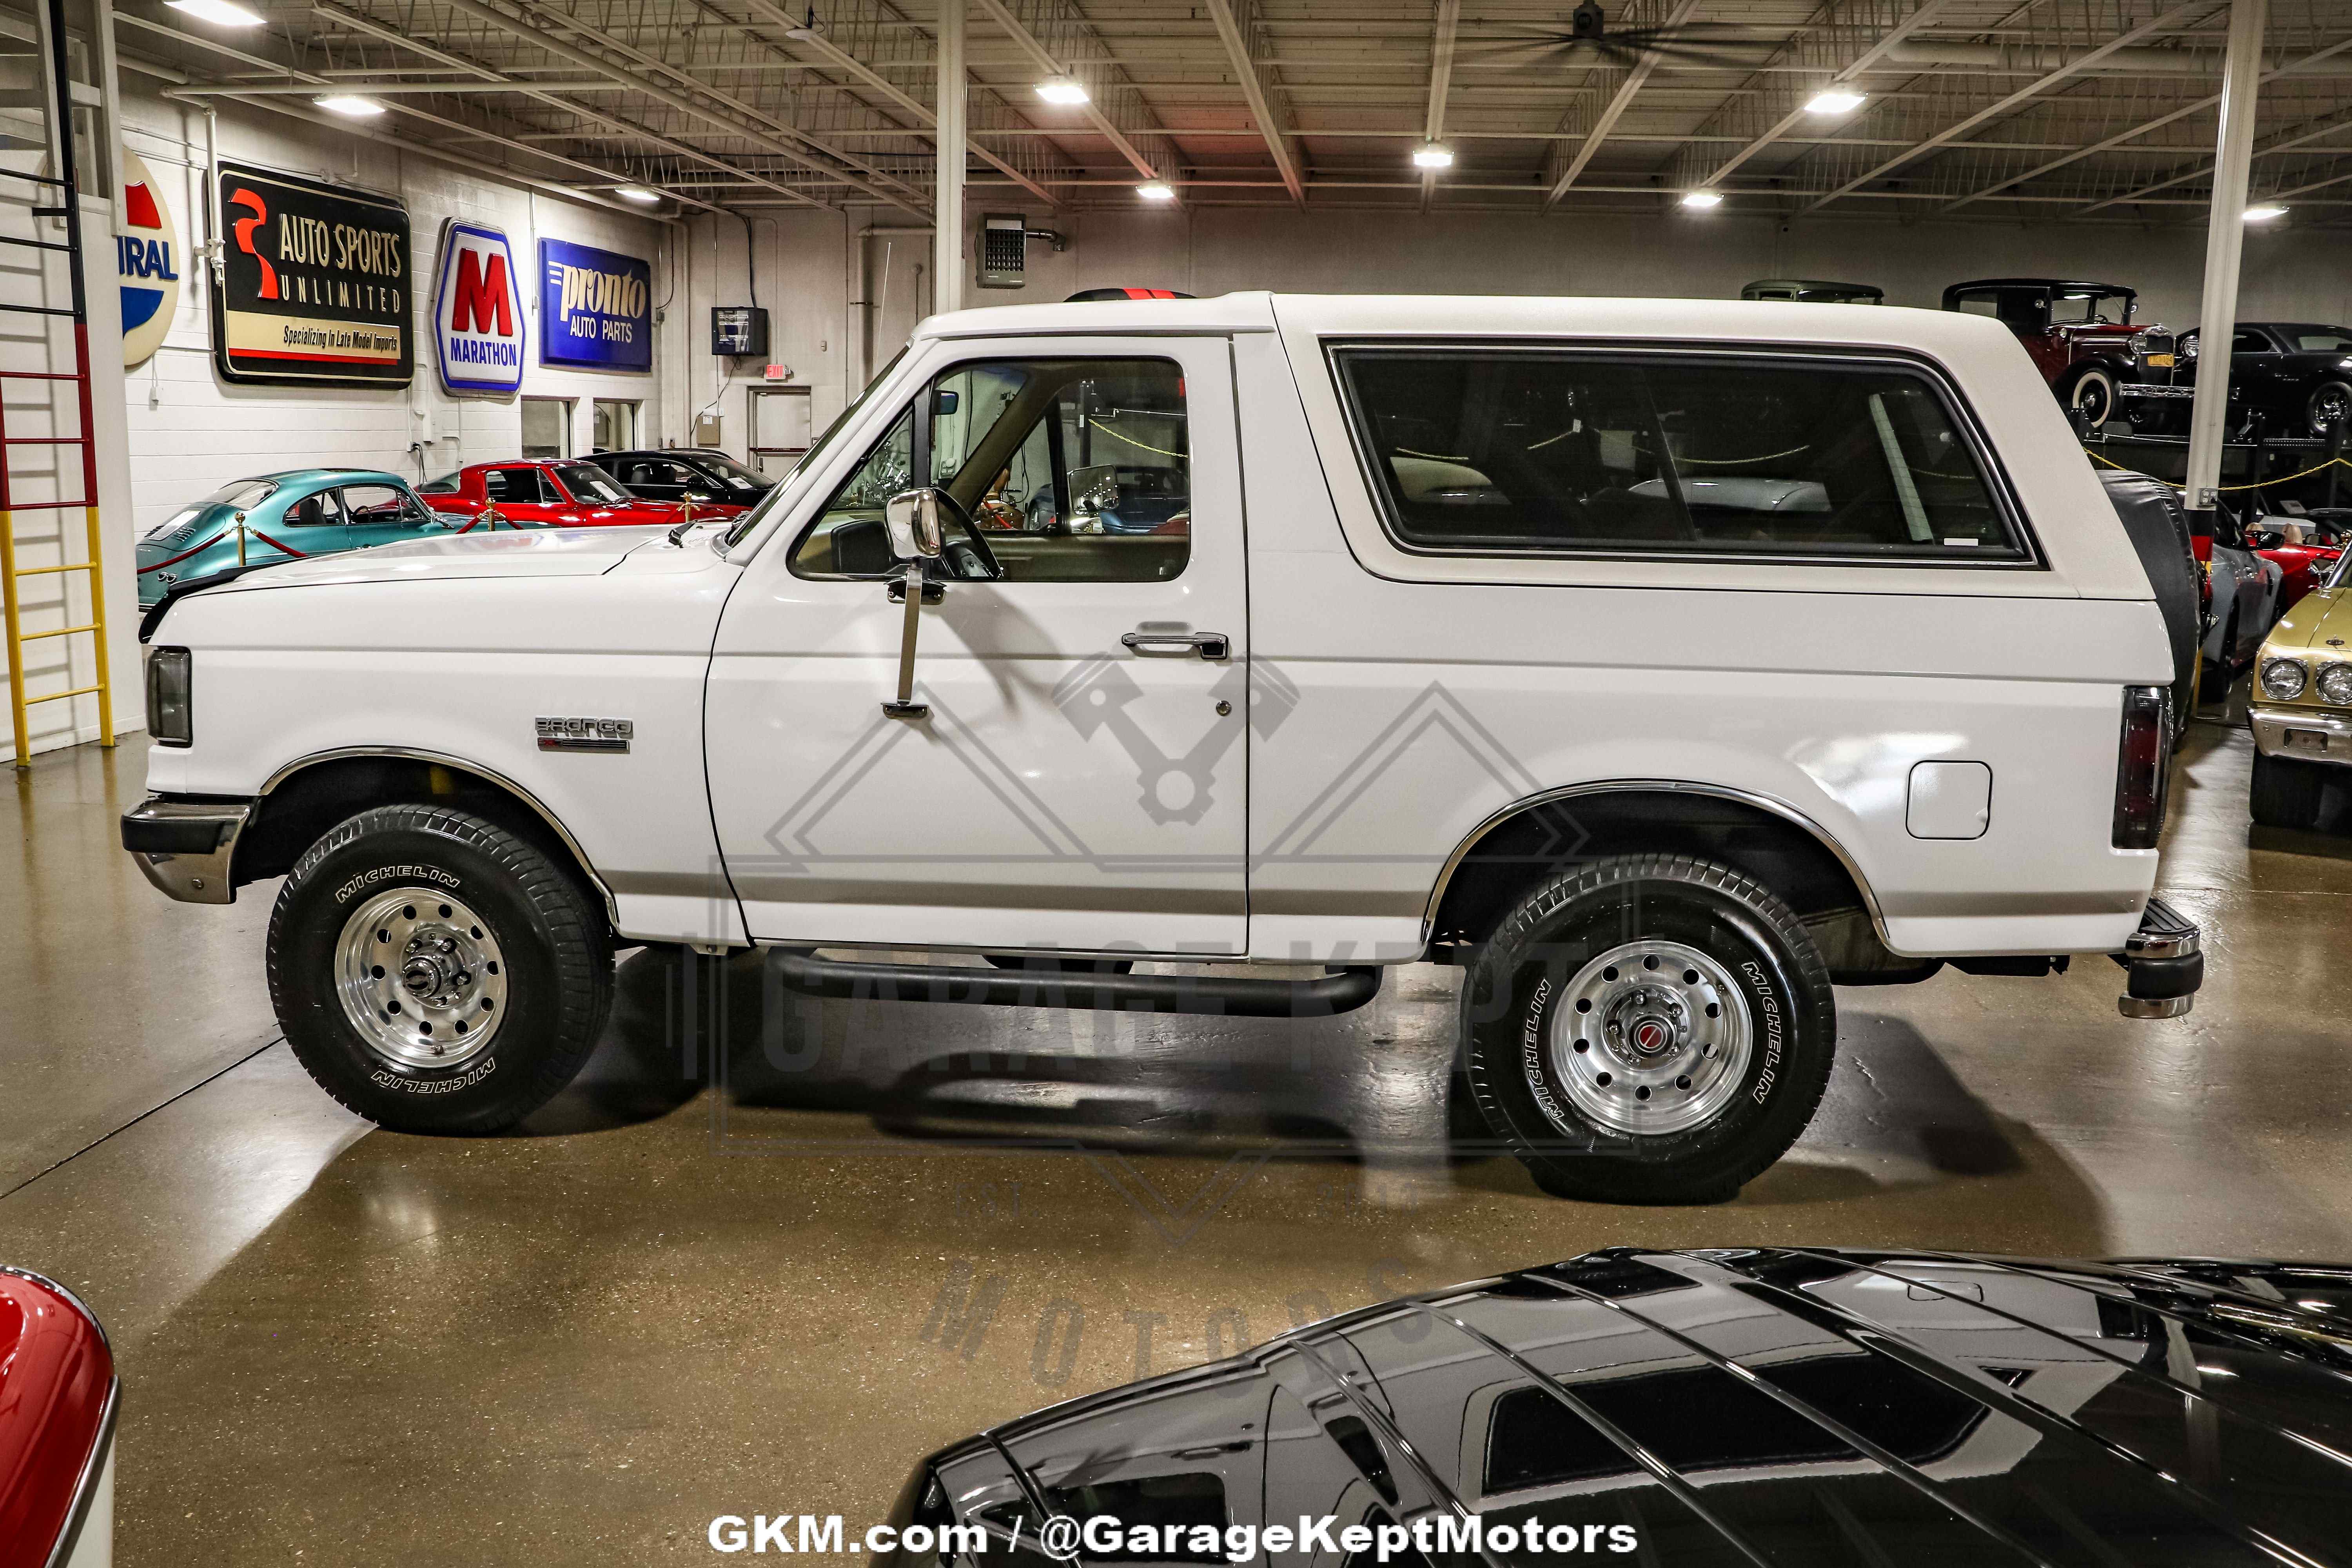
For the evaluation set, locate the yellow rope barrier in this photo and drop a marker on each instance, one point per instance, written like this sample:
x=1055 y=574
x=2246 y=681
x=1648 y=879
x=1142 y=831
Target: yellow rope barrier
x=1104 y=427
x=2258 y=485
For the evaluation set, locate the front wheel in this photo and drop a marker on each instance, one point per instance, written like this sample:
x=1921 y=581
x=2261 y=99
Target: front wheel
x=2091 y=397
x=1648 y=1029
x=2329 y=406
x=436 y=973
x=2287 y=792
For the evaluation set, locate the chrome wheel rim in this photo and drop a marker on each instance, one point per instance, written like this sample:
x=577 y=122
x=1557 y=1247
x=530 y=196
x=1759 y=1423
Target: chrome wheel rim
x=421 y=978
x=1651 y=1038
x=2327 y=408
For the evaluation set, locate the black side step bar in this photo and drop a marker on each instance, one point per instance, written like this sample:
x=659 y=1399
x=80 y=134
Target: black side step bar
x=1070 y=987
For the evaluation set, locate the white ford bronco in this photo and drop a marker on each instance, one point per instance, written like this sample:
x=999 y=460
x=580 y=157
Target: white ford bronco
x=1662 y=663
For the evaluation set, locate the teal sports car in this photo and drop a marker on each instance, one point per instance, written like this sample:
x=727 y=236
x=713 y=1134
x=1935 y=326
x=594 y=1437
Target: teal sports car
x=288 y=517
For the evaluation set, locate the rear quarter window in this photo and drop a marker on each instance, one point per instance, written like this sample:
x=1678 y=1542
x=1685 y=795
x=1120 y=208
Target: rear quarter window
x=1472 y=449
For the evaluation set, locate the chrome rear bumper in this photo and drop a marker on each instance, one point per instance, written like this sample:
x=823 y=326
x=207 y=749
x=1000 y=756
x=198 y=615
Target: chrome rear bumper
x=2164 y=960
x=184 y=847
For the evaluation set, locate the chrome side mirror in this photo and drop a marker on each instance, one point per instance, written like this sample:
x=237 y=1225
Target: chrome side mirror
x=913 y=519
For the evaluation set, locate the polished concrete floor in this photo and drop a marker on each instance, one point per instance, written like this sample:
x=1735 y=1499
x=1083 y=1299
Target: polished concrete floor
x=669 y=1298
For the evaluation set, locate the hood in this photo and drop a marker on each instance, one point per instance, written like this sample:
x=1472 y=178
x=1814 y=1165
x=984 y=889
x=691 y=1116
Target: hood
x=2315 y=618
x=523 y=552
x=1804 y=1405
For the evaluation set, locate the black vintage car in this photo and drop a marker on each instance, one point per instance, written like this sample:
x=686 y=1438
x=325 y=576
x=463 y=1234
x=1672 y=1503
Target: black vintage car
x=2295 y=376
x=1779 y=1406
x=684 y=473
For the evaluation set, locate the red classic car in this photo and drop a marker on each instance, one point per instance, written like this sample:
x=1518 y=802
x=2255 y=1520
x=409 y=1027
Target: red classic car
x=57 y=1401
x=2082 y=338
x=2303 y=547
x=567 y=494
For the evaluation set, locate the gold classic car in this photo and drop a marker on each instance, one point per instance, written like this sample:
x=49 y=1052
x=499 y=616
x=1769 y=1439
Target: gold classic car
x=2303 y=705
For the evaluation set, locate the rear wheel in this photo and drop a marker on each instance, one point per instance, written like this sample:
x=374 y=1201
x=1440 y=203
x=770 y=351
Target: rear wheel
x=436 y=973
x=1648 y=1029
x=2287 y=792
x=2329 y=406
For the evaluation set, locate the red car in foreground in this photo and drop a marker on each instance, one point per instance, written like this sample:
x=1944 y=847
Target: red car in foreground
x=57 y=1401
x=2303 y=548
x=559 y=492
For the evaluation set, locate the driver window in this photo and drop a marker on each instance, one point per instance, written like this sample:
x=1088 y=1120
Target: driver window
x=1071 y=470
x=375 y=506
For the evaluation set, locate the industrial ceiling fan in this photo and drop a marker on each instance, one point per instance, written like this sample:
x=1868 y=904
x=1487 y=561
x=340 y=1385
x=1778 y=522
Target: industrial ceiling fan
x=1589 y=33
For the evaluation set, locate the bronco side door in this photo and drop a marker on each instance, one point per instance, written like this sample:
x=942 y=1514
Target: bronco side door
x=1077 y=780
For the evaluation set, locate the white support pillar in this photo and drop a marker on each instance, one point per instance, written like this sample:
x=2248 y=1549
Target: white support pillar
x=2225 y=236
x=947 y=212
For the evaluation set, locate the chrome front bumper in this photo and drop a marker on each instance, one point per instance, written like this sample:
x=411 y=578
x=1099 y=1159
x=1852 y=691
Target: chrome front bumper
x=184 y=847
x=2305 y=734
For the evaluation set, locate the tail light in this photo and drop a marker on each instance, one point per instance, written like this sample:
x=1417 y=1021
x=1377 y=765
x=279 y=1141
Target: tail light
x=2142 y=768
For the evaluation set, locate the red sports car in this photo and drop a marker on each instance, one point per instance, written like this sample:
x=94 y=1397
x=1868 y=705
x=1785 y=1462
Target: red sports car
x=2303 y=547
x=562 y=493
x=57 y=1399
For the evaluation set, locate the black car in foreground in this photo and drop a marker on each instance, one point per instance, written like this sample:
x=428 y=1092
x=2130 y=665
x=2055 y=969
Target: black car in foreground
x=685 y=473
x=2296 y=374
x=1782 y=1405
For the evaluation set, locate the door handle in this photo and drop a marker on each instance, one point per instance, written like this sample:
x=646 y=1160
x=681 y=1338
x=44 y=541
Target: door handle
x=1208 y=645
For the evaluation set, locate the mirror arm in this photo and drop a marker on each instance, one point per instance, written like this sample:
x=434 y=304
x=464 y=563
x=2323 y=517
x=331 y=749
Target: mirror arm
x=905 y=707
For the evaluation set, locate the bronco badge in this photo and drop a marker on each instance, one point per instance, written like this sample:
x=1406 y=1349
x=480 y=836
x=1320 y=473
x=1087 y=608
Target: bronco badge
x=585 y=735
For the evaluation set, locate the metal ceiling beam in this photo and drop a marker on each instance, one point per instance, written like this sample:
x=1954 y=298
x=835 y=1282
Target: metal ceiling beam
x=1108 y=81
x=1628 y=83
x=411 y=111
x=564 y=49
x=362 y=22
x=393 y=89
x=1845 y=39
x=834 y=57
x=1237 y=22
x=1445 y=26
x=2110 y=143
x=2169 y=17
x=2284 y=141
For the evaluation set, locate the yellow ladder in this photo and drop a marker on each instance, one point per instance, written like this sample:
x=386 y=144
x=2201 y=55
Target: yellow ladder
x=67 y=195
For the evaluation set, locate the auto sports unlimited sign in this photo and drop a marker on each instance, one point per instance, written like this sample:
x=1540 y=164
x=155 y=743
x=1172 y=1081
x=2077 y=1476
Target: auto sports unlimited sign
x=478 y=317
x=596 y=308
x=314 y=287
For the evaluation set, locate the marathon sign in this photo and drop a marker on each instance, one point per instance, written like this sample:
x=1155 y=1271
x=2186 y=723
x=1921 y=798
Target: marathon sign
x=313 y=286
x=596 y=308
x=477 y=313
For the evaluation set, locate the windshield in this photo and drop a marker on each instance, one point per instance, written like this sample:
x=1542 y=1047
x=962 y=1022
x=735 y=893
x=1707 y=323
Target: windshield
x=245 y=494
x=2086 y=309
x=728 y=468
x=792 y=483
x=588 y=483
x=2336 y=574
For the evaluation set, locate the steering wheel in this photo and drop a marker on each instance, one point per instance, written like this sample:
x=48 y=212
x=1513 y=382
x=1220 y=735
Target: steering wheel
x=972 y=532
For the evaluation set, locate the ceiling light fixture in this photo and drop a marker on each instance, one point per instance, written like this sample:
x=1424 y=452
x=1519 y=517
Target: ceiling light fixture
x=1834 y=101
x=1156 y=191
x=355 y=108
x=1062 y=89
x=2265 y=215
x=636 y=193
x=220 y=13
x=1702 y=199
x=1433 y=155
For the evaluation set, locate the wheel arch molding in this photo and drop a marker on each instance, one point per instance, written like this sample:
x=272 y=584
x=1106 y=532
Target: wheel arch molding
x=309 y=794
x=1781 y=846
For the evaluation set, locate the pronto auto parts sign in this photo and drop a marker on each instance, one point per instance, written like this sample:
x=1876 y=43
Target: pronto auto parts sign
x=596 y=308
x=147 y=260
x=477 y=315
x=314 y=285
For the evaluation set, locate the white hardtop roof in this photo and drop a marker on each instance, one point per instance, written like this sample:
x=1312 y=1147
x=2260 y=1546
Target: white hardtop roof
x=1940 y=333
